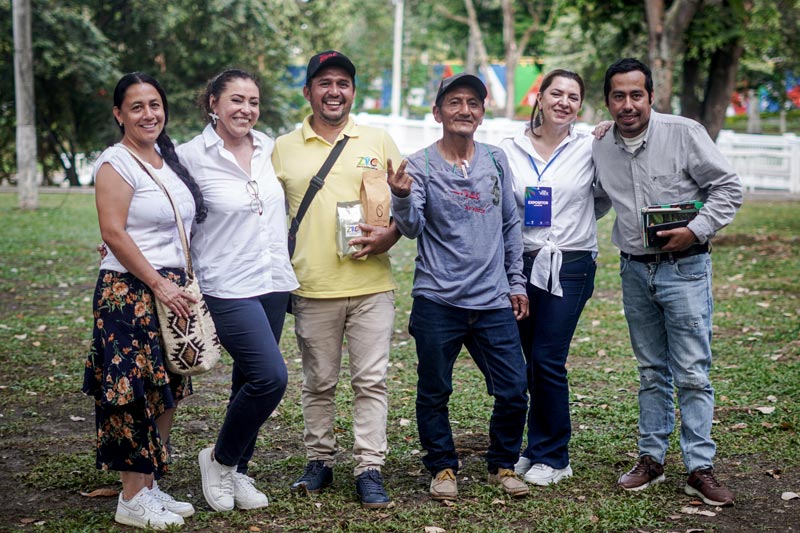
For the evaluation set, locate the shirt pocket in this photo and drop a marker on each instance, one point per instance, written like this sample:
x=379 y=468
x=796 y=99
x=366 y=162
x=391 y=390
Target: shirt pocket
x=665 y=188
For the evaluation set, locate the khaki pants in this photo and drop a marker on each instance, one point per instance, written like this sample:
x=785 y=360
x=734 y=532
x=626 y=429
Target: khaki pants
x=321 y=325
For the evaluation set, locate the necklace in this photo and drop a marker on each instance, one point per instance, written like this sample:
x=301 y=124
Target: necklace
x=464 y=166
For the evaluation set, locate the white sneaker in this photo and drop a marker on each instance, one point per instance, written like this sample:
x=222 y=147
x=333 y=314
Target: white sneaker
x=185 y=509
x=217 y=481
x=143 y=510
x=541 y=474
x=522 y=466
x=245 y=495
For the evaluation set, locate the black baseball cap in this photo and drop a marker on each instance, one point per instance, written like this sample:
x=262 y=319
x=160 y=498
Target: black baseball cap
x=459 y=80
x=329 y=58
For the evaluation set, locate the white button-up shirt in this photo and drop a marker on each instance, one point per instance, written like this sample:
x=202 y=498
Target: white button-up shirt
x=236 y=252
x=570 y=175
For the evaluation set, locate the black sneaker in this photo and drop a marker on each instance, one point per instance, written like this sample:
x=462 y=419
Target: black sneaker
x=369 y=486
x=316 y=477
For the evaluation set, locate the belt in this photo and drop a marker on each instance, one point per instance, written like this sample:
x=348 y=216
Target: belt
x=566 y=257
x=664 y=257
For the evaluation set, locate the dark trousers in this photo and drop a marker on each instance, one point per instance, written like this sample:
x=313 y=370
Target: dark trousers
x=491 y=338
x=250 y=330
x=546 y=335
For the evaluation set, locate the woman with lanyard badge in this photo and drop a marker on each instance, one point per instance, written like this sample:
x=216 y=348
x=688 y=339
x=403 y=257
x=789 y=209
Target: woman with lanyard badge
x=244 y=272
x=553 y=172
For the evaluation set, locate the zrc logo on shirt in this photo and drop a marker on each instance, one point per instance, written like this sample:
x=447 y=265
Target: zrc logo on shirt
x=368 y=162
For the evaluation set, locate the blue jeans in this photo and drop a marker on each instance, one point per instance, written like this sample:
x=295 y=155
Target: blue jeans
x=668 y=307
x=492 y=340
x=546 y=335
x=250 y=330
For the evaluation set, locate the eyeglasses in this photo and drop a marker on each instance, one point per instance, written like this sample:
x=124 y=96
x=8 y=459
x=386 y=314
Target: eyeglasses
x=256 y=205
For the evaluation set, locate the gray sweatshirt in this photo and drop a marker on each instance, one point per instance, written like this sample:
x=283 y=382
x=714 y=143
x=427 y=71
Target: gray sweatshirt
x=469 y=241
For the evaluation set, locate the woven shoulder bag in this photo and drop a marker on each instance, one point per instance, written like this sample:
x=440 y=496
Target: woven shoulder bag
x=191 y=345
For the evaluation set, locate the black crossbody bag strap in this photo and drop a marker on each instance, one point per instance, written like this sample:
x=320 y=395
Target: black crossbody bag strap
x=314 y=185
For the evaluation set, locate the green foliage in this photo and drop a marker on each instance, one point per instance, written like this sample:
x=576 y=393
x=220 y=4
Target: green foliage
x=72 y=114
x=773 y=49
x=713 y=26
x=81 y=47
x=590 y=36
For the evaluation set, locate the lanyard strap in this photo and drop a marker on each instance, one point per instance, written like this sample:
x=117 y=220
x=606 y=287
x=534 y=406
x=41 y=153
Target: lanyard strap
x=552 y=159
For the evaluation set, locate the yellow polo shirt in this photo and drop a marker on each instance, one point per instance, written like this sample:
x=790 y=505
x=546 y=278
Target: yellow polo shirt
x=297 y=157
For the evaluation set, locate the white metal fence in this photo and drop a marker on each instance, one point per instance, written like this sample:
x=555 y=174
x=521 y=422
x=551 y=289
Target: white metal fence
x=764 y=162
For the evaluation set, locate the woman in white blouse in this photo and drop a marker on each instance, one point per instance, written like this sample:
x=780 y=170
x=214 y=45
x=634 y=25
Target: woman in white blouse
x=243 y=268
x=135 y=395
x=553 y=173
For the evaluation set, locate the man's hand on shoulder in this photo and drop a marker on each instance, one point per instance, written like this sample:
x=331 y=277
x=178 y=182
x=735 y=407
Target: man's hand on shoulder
x=679 y=239
x=375 y=240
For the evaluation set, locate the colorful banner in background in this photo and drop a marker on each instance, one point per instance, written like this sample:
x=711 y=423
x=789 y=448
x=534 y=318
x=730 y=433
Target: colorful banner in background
x=526 y=83
x=767 y=103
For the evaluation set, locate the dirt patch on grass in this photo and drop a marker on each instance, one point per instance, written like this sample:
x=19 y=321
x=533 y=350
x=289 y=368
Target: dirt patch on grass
x=758 y=491
x=754 y=241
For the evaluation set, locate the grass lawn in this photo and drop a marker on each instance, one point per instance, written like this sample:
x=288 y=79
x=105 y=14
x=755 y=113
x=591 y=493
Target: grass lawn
x=48 y=269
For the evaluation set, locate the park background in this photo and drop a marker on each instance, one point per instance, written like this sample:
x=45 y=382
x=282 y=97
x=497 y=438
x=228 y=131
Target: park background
x=728 y=63
x=710 y=56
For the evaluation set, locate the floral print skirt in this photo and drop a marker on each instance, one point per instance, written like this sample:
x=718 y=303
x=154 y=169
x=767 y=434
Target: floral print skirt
x=126 y=375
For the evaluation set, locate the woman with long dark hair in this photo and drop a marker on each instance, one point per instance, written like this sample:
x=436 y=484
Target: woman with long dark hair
x=135 y=395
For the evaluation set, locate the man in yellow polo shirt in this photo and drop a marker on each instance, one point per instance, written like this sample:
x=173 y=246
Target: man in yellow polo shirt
x=348 y=298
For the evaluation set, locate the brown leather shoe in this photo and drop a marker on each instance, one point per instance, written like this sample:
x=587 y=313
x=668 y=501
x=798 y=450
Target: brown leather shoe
x=506 y=479
x=646 y=472
x=443 y=485
x=704 y=485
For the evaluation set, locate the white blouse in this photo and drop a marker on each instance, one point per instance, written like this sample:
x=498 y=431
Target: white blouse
x=570 y=174
x=151 y=219
x=236 y=252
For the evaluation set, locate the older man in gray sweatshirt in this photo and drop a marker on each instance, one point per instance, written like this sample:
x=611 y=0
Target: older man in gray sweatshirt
x=455 y=198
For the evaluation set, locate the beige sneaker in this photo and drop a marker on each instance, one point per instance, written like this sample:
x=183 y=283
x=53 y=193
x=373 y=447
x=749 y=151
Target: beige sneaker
x=443 y=485
x=508 y=481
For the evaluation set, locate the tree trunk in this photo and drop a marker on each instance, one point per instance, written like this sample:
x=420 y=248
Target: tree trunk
x=72 y=172
x=26 y=114
x=471 y=63
x=659 y=55
x=753 y=112
x=666 y=31
x=721 y=82
x=476 y=37
x=691 y=106
x=512 y=54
